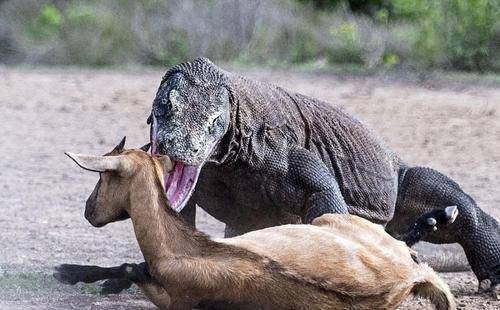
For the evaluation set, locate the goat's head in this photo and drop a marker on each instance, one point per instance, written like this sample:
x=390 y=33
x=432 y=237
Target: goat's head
x=119 y=173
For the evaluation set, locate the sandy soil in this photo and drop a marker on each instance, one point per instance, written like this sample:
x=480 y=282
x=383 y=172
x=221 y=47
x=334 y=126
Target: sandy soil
x=452 y=127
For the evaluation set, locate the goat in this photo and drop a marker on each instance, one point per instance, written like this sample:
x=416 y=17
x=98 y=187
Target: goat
x=338 y=262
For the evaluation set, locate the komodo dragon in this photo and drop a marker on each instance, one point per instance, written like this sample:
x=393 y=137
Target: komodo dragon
x=261 y=156
x=254 y=155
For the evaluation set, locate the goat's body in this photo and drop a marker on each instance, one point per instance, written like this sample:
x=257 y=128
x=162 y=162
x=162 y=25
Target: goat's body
x=342 y=253
x=339 y=262
x=352 y=257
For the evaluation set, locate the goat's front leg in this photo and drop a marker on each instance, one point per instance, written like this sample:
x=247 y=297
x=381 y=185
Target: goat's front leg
x=72 y=274
x=117 y=279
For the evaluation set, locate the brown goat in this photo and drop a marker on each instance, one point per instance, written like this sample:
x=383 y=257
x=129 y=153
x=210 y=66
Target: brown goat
x=339 y=262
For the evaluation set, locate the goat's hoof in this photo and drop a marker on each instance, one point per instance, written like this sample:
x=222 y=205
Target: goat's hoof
x=67 y=273
x=115 y=286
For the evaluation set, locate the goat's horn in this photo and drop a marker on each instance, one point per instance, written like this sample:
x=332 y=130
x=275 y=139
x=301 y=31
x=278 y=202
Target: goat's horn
x=146 y=147
x=96 y=163
x=120 y=145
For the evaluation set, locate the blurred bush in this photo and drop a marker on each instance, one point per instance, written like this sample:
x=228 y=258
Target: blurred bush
x=454 y=34
x=447 y=34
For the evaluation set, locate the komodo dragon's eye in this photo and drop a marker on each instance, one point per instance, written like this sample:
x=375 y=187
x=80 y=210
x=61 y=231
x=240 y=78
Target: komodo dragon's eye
x=162 y=108
x=216 y=125
x=166 y=103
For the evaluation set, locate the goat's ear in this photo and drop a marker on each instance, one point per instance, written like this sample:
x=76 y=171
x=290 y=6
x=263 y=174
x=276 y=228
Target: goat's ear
x=98 y=163
x=146 y=147
x=166 y=162
x=119 y=147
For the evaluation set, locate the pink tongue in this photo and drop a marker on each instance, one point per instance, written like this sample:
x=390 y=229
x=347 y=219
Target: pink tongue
x=179 y=184
x=172 y=182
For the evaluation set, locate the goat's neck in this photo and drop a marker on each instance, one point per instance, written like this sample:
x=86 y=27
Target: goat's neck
x=159 y=231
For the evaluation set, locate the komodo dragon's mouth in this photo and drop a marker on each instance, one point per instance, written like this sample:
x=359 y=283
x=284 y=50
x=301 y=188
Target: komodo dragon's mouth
x=180 y=182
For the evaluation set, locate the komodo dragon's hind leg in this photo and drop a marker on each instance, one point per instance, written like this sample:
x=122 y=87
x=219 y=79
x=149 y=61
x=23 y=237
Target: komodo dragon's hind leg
x=424 y=189
x=429 y=222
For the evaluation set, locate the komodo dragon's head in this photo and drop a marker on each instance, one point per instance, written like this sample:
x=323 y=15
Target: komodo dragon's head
x=190 y=116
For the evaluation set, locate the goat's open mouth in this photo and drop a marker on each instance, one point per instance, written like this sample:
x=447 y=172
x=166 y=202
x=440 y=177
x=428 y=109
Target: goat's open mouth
x=180 y=184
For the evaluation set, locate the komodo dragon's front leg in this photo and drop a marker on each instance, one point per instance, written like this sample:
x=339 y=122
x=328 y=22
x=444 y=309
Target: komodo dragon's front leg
x=303 y=172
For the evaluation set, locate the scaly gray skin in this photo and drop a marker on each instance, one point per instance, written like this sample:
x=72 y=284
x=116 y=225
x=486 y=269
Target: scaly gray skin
x=271 y=156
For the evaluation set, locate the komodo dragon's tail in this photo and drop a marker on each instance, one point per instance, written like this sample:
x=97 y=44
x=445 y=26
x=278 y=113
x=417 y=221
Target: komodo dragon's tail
x=430 y=286
x=443 y=258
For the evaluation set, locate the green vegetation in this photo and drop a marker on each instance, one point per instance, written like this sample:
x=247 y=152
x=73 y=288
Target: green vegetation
x=426 y=34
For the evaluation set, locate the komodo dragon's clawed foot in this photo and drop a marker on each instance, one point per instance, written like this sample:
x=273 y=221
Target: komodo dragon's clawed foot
x=429 y=222
x=492 y=284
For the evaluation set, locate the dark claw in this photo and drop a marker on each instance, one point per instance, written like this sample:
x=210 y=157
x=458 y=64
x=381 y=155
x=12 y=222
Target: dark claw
x=436 y=217
x=451 y=214
x=432 y=222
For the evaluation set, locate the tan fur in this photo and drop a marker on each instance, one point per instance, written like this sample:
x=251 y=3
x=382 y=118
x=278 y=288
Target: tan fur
x=339 y=262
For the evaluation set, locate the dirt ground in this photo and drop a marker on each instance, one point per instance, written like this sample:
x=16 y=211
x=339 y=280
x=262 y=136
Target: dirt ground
x=453 y=127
